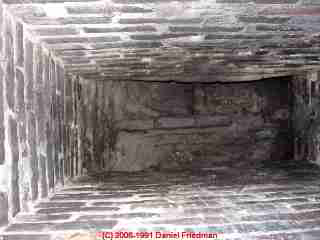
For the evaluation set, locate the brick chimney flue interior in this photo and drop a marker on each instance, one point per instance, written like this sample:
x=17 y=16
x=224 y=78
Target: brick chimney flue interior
x=159 y=119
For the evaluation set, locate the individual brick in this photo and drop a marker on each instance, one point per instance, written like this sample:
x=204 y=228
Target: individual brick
x=81 y=39
x=2 y=129
x=13 y=196
x=210 y=121
x=207 y=29
x=9 y=69
x=4 y=206
x=55 y=31
x=144 y=28
x=264 y=19
x=175 y=122
x=19 y=44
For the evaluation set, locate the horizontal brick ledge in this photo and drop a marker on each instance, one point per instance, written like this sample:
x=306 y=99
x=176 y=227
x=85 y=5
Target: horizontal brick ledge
x=192 y=122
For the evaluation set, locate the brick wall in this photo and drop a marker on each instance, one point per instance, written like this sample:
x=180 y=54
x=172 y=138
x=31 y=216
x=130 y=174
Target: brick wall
x=201 y=125
x=30 y=113
x=164 y=40
x=45 y=104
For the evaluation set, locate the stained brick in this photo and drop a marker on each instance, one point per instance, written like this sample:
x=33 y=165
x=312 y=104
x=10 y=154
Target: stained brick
x=239 y=36
x=59 y=204
x=204 y=29
x=73 y=53
x=266 y=227
x=19 y=45
x=86 y=20
x=154 y=37
x=306 y=206
x=263 y=19
x=81 y=40
x=191 y=221
x=43 y=1
x=77 y=209
x=1 y=26
x=26 y=237
x=206 y=121
x=13 y=196
x=29 y=75
x=40 y=121
x=233 y=1
x=284 y=216
x=76 y=61
x=87 y=9
x=134 y=9
x=132 y=44
x=142 y=20
x=39 y=227
x=110 y=65
x=34 y=164
x=55 y=31
x=297 y=11
x=2 y=129
x=275 y=1
x=88 y=196
x=185 y=21
x=9 y=68
x=175 y=122
x=41 y=217
x=271 y=27
x=42 y=227
x=160 y=20
x=260 y=1
x=89 y=225
x=124 y=29
x=4 y=206
x=279 y=189
x=41 y=21
x=100 y=9
x=305 y=193
x=136 y=125
x=148 y=1
x=70 y=20
x=119 y=216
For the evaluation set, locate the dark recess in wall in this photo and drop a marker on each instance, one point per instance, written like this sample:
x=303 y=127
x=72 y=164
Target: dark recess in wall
x=201 y=124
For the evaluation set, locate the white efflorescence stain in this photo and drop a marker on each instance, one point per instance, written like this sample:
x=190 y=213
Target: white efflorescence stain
x=55 y=10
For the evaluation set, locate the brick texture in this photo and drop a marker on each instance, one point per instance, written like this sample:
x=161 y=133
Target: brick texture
x=265 y=30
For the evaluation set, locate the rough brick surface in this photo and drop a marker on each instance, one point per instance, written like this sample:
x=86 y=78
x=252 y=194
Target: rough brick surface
x=4 y=206
x=171 y=125
x=14 y=174
x=142 y=40
x=24 y=116
x=194 y=37
x=233 y=204
x=2 y=130
x=9 y=67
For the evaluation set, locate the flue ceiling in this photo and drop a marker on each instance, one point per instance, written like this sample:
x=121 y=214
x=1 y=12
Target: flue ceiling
x=182 y=40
